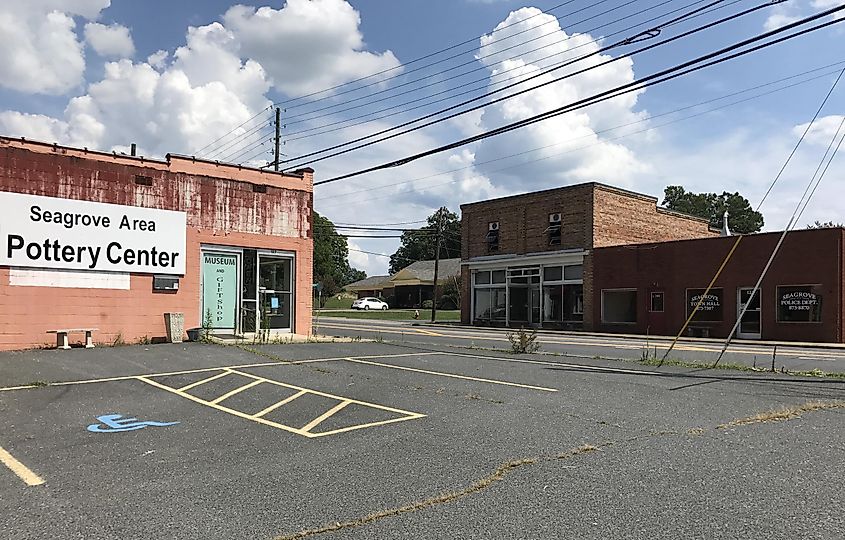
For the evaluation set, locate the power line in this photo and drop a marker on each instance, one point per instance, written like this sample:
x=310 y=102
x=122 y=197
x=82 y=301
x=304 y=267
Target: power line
x=447 y=70
x=651 y=80
x=234 y=129
x=644 y=35
x=739 y=238
x=233 y=143
x=792 y=222
x=484 y=80
x=614 y=128
x=471 y=40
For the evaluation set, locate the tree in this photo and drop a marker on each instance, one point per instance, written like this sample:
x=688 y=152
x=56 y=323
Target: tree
x=741 y=217
x=420 y=245
x=331 y=258
x=824 y=225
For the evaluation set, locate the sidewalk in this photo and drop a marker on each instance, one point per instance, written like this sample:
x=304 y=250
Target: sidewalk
x=641 y=337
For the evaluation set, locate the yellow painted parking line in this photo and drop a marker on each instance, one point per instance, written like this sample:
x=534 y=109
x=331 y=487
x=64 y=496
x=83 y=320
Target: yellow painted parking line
x=453 y=375
x=325 y=416
x=428 y=333
x=22 y=471
x=222 y=408
x=209 y=379
x=207 y=370
x=275 y=406
x=304 y=431
x=412 y=416
x=227 y=395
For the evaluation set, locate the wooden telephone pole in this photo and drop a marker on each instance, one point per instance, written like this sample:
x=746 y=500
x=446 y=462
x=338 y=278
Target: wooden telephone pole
x=278 y=132
x=437 y=263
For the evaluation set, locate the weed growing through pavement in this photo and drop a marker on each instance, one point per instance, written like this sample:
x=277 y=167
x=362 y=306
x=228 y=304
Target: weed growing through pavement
x=523 y=341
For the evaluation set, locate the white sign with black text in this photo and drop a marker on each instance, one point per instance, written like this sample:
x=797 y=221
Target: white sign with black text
x=48 y=232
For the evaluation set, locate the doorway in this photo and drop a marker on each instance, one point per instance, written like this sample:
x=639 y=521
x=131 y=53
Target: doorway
x=275 y=293
x=749 y=326
x=220 y=283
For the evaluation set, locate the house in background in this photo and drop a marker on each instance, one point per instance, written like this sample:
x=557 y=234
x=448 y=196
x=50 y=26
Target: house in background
x=411 y=286
x=371 y=286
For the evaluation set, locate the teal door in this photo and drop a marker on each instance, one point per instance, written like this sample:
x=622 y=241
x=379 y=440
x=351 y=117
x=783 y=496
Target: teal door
x=219 y=290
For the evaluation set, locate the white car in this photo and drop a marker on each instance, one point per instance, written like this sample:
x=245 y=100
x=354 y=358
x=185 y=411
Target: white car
x=369 y=303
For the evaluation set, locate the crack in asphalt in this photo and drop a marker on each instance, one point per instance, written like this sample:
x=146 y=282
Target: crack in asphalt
x=503 y=470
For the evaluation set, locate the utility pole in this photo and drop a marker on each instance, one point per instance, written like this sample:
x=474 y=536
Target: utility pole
x=437 y=263
x=278 y=132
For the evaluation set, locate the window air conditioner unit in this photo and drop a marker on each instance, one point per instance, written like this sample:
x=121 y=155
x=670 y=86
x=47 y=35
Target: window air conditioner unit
x=494 y=226
x=554 y=218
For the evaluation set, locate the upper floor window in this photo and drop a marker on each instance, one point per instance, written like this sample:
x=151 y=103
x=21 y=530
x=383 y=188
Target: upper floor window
x=492 y=236
x=554 y=229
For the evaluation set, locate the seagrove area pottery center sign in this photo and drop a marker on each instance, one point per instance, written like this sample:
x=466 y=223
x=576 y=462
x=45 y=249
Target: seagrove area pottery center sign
x=49 y=232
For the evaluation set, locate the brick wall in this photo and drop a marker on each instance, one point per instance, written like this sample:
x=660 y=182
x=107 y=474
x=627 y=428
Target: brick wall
x=807 y=257
x=622 y=217
x=523 y=221
x=227 y=209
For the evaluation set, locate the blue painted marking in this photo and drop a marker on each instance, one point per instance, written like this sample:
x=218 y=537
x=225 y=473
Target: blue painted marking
x=116 y=422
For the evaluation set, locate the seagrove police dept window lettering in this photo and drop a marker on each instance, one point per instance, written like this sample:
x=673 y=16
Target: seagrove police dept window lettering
x=47 y=232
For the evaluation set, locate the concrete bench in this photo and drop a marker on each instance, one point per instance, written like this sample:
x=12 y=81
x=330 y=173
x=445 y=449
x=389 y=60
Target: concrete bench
x=61 y=337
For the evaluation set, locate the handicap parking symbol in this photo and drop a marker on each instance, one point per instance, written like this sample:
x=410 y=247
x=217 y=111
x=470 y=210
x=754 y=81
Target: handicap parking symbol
x=112 y=423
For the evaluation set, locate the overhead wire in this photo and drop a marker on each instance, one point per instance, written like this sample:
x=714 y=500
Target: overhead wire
x=606 y=130
x=740 y=237
x=792 y=222
x=639 y=84
x=291 y=136
x=466 y=42
x=430 y=76
x=230 y=144
x=235 y=128
x=644 y=35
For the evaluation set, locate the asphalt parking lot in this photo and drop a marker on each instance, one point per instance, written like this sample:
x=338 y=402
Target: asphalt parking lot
x=370 y=440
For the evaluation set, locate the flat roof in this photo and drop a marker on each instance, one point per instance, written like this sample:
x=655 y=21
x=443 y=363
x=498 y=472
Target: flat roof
x=302 y=178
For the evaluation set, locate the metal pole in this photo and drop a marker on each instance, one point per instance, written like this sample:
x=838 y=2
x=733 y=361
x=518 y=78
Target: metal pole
x=437 y=263
x=278 y=132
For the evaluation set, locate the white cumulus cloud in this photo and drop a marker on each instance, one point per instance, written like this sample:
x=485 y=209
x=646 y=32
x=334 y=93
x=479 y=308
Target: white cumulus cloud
x=565 y=149
x=110 y=41
x=307 y=45
x=40 y=51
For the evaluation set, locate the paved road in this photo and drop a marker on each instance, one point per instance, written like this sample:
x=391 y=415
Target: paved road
x=381 y=441
x=586 y=346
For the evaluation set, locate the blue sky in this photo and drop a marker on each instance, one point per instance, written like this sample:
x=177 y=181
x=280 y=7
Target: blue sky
x=89 y=79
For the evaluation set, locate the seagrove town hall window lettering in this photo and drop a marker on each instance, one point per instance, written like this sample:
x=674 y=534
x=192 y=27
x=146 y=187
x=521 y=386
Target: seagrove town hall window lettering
x=48 y=232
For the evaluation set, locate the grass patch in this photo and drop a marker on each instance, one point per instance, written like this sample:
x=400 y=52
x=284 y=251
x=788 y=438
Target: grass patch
x=393 y=315
x=335 y=303
x=784 y=413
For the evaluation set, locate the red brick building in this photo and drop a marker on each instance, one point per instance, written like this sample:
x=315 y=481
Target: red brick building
x=113 y=242
x=653 y=288
x=527 y=259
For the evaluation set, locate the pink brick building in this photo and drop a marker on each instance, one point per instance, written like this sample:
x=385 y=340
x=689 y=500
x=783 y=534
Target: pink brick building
x=114 y=242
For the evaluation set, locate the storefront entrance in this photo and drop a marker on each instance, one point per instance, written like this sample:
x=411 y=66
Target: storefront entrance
x=749 y=326
x=245 y=291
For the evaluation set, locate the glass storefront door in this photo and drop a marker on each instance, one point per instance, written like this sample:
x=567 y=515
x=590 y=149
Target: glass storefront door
x=275 y=292
x=749 y=326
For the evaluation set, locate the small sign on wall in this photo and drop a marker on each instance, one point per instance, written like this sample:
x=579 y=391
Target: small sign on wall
x=68 y=234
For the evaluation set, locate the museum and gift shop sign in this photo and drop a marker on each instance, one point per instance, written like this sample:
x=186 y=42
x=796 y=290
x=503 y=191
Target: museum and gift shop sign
x=48 y=232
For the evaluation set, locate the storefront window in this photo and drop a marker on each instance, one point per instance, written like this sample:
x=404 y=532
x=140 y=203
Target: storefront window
x=799 y=303
x=575 y=271
x=553 y=273
x=552 y=303
x=711 y=308
x=619 y=306
x=573 y=302
x=490 y=304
